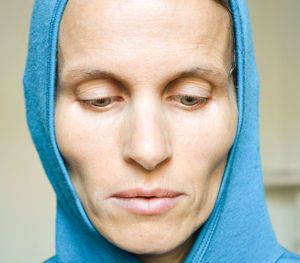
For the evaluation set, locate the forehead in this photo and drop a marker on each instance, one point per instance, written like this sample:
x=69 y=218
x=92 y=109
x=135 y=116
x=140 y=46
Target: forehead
x=144 y=33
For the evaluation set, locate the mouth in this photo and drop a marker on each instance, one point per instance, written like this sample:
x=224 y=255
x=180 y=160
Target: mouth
x=147 y=202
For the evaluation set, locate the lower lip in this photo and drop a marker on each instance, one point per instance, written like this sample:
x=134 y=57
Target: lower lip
x=147 y=206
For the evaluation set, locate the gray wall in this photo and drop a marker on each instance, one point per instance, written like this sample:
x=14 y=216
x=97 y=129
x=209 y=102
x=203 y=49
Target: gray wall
x=276 y=32
x=26 y=198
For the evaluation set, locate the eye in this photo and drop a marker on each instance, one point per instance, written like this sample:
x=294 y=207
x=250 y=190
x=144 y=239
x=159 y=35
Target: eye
x=102 y=102
x=190 y=100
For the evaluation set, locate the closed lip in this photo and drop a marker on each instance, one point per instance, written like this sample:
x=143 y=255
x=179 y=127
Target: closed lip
x=140 y=192
x=147 y=201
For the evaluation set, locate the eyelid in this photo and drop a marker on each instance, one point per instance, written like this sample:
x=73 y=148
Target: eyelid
x=96 y=89
x=113 y=98
x=190 y=87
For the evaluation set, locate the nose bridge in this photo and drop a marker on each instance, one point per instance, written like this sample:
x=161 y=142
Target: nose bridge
x=148 y=142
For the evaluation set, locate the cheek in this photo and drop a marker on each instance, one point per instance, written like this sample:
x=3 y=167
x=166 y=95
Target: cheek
x=206 y=138
x=90 y=149
x=89 y=145
x=201 y=148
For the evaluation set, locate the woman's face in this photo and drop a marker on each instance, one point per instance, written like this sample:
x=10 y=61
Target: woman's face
x=145 y=115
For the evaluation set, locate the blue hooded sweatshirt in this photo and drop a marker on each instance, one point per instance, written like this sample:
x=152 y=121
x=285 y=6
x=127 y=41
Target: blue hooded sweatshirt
x=238 y=229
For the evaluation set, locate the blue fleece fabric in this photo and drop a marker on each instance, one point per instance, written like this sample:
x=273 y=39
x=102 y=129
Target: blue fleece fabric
x=238 y=230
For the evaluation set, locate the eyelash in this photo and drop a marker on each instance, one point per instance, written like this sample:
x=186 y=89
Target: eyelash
x=199 y=101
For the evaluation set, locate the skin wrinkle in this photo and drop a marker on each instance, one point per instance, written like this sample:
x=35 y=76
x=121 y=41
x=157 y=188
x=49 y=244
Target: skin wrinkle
x=75 y=76
x=147 y=139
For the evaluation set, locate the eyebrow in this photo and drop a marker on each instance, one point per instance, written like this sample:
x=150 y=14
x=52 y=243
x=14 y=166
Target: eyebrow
x=212 y=73
x=85 y=74
x=219 y=75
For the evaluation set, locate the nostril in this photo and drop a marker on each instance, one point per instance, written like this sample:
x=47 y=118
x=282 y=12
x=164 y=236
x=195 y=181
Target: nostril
x=143 y=164
x=149 y=164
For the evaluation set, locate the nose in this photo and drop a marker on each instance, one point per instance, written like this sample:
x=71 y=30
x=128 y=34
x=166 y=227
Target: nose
x=147 y=143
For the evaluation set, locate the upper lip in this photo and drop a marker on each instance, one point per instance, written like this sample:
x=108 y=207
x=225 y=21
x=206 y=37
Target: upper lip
x=141 y=192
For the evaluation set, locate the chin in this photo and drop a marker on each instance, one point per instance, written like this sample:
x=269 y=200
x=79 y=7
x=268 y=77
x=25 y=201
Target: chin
x=155 y=241
x=145 y=247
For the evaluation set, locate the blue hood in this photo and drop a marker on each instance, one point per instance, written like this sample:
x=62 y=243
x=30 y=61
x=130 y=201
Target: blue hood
x=238 y=230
